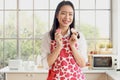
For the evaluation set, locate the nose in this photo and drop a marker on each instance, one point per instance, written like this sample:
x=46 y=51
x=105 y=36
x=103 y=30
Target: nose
x=67 y=15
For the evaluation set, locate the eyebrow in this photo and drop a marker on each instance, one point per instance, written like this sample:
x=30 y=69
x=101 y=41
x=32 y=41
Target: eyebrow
x=66 y=11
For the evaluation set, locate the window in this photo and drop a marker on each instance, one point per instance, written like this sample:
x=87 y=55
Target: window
x=22 y=23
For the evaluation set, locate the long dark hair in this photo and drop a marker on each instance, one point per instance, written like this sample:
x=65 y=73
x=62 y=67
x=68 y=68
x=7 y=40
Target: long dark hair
x=56 y=23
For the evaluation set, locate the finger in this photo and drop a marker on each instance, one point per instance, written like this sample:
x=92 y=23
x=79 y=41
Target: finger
x=58 y=37
x=74 y=34
x=74 y=37
x=74 y=31
x=56 y=33
x=58 y=30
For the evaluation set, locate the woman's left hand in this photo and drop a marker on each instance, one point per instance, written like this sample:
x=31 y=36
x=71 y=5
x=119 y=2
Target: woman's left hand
x=73 y=38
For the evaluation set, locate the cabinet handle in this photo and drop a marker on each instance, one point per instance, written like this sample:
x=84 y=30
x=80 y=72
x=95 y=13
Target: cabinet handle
x=31 y=75
x=27 y=75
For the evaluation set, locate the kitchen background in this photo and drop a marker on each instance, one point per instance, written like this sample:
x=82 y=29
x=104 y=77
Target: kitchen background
x=23 y=22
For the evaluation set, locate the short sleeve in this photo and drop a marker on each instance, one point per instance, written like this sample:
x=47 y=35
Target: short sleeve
x=45 y=49
x=82 y=46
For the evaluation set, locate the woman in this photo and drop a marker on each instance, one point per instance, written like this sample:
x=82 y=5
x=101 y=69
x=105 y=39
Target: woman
x=63 y=47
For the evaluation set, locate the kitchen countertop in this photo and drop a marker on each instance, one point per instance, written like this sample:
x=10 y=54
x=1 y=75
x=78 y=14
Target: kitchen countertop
x=42 y=70
x=112 y=73
x=35 y=70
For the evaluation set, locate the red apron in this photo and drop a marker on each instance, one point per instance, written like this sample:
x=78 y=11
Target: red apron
x=65 y=67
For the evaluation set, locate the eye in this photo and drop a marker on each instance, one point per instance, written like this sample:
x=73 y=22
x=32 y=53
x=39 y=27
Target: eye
x=70 y=14
x=63 y=13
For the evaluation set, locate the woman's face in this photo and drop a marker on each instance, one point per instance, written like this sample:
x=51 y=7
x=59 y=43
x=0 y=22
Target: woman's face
x=65 y=16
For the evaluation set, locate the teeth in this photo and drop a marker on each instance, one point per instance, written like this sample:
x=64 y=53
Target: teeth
x=66 y=22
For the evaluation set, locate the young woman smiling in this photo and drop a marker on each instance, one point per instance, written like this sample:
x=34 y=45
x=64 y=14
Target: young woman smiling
x=63 y=48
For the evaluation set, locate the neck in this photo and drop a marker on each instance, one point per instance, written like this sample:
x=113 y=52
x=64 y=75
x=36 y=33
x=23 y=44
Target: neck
x=64 y=30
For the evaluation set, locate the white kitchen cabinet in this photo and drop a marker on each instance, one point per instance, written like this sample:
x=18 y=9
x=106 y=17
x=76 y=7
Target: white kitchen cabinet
x=43 y=76
x=96 y=76
x=26 y=76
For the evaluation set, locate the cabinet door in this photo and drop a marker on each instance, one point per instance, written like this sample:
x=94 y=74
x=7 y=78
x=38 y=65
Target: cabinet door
x=39 y=76
x=96 y=76
x=26 y=76
x=16 y=76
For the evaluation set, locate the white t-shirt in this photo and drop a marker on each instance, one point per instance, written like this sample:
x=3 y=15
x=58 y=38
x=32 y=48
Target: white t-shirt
x=45 y=47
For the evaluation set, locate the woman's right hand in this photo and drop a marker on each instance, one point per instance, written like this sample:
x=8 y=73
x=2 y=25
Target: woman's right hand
x=55 y=53
x=58 y=38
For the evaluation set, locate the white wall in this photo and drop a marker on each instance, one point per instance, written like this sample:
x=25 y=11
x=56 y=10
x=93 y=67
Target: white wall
x=118 y=28
x=115 y=25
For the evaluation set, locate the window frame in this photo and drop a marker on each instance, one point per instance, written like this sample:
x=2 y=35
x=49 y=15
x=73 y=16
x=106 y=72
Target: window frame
x=49 y=10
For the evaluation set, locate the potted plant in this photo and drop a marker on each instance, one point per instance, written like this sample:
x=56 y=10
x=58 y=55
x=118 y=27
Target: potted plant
x=109 y=46
x=102 y=46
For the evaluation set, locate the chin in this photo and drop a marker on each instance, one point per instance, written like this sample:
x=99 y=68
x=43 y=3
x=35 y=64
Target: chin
x=66 y=25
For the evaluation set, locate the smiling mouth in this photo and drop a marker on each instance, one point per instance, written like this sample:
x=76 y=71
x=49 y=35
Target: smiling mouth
x=66 y=22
